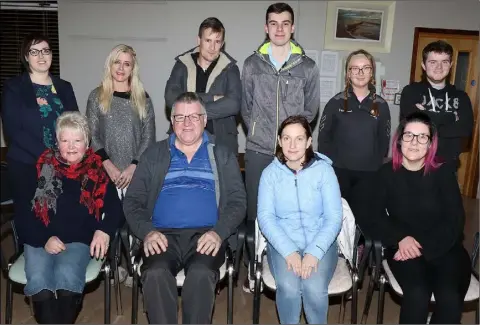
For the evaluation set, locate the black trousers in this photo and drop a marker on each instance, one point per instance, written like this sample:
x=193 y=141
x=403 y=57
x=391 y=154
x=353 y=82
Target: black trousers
x=198 y=291
x=349 y=179
x=255 y=163
x=447 y=277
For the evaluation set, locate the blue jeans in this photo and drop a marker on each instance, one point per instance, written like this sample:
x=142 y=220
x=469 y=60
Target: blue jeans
x=66 y=270
x=291 y=288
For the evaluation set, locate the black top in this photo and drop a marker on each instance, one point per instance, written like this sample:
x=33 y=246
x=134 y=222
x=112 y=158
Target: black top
x=201 y=82
x=453 y=119
x=72 y=222
x=427 y=207
x=354 y=138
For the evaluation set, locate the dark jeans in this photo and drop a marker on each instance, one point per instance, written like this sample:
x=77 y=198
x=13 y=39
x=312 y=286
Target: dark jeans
x=198 y=291
x=447 y=277
x=348 y=179
x=255 y=163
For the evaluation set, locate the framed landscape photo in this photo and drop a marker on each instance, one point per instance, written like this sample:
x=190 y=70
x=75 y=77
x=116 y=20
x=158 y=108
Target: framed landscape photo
x=352 y=25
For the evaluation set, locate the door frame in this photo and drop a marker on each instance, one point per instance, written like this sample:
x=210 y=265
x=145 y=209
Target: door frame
x=419 y=30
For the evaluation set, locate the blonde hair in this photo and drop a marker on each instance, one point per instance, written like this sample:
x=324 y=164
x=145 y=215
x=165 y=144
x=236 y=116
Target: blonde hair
x=371 y=83
x=137 y=91
x=73 y=120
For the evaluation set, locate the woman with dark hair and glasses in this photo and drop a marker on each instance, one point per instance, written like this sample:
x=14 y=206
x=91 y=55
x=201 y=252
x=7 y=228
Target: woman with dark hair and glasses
x=413 y=205
x=300 y=215
x=31 y=104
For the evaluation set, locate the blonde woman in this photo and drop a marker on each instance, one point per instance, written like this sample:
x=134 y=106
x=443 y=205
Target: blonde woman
x=121 y=116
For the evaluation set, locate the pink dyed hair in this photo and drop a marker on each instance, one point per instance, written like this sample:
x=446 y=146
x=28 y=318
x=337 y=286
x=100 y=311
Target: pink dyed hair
x=431 y=161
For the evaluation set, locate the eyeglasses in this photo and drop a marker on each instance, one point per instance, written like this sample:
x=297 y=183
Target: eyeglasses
x=35 y=52
x=192 y=117
x=365 y=70
x=421 y=138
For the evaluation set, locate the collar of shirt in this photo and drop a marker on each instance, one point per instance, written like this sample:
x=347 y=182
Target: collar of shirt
x=278 y=65
x=175 y=151
x=210 y=67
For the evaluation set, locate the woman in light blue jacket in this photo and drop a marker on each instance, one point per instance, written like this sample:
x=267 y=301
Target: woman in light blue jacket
x=300 y=215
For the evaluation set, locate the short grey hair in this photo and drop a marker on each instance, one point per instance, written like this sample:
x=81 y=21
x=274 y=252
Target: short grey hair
x=73 y=120
x=188 y=97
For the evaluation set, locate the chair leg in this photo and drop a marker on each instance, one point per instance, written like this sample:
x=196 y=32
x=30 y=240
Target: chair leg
x=118 y=292
x=238 y=255
x=342 y=311
x=9 y=303
x=368 y=299
x=230 y=295
x=381 y=300
x=135 y=296
x=107 y=300
x=354 y=305
x=476 y=314
x=256 y=298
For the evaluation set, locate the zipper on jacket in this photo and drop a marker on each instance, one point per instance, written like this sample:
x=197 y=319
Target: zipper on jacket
x=277 y=109
x=253 y=128
x=300 y=210
x=277 y=73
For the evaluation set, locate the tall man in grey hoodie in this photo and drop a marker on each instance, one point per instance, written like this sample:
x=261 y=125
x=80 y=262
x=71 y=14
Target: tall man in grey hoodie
x=214 y=76
x=278 y=81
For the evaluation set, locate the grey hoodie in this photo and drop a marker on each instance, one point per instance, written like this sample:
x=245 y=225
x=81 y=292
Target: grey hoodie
x=270 y=96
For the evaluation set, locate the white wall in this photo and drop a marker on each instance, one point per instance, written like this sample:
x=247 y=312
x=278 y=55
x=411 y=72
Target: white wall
x=160 y=30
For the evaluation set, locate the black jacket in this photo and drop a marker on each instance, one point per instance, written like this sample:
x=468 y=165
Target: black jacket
x=21 y=118
x=224 y=80
x=454 y=121
x=355 y=139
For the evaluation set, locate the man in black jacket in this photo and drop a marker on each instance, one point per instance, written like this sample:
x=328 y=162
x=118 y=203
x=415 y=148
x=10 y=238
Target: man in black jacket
x=449 y=108
x=185 y=200
x=214 y=76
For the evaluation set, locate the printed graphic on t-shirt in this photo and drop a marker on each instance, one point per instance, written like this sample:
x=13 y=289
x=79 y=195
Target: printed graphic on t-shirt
x=439 y=105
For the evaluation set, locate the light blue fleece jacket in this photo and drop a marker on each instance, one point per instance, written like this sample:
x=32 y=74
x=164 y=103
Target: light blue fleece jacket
x=300 y=212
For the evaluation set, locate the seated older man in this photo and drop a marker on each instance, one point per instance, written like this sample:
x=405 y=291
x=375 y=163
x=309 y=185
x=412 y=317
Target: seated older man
x=185 y=200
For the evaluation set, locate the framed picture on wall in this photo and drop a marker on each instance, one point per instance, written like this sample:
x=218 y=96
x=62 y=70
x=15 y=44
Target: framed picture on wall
x=352 y=25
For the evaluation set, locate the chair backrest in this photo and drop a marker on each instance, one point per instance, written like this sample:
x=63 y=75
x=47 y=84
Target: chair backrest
x=345 y=238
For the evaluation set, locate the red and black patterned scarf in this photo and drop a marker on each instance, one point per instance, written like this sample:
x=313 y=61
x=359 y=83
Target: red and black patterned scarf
x=51 y=167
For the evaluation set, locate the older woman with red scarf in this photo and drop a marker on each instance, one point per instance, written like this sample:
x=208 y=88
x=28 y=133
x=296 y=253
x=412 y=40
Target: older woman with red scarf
x=75 y=212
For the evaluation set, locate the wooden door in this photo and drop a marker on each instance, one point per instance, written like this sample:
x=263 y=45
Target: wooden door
x=465 y=76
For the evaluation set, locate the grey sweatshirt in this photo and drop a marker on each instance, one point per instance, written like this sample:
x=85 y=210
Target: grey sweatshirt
x=120 y=135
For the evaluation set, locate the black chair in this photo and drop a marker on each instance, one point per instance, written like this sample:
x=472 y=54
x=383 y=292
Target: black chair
x=15 y=273
x=228 y=271
x=346 y=279
x=385 y=276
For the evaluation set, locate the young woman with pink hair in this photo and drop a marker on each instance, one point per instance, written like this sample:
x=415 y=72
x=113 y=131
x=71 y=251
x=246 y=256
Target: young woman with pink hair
x=413 y=205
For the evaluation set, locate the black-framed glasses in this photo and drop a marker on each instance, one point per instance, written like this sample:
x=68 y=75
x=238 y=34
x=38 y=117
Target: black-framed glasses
x=35 y=52
x=365 y=70
x=192 y=117
x=421 y=138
